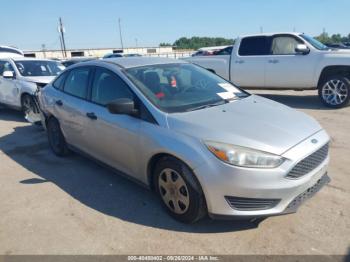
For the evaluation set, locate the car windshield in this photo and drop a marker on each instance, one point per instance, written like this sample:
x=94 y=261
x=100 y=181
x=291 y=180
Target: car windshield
x=182 y=87
x=315 y=43
x=39 y=68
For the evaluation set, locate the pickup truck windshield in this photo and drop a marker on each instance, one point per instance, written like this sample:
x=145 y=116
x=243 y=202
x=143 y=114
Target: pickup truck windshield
x=182 y=87
x=315 y=43
x=39 y=68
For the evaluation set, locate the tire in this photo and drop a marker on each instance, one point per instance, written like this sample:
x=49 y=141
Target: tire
x=179 y=190
x=56 y=139
x=27 y=104
x=334 y=91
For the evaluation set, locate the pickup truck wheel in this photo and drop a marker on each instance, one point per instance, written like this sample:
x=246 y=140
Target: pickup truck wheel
x=56 y=139
x=334 y=92
x=179 y=190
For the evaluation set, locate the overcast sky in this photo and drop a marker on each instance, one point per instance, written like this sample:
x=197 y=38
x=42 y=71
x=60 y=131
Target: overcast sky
x=28 y=24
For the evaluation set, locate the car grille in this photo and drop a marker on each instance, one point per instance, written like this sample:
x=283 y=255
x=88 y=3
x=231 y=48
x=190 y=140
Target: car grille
x=309 y=193
x=251 y=204
x=309 y=163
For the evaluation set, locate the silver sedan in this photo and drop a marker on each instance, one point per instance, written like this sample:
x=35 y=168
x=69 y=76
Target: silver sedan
x=202 y=144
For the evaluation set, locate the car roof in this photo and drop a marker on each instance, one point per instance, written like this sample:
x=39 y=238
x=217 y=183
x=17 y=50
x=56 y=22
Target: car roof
x=130 y=62
x=29 y=59
x=271 y=34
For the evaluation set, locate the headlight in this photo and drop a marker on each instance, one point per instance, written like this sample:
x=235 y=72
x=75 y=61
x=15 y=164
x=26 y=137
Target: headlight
x=244 y=157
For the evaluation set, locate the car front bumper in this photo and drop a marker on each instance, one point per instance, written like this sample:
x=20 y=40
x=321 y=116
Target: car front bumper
x=221 y=182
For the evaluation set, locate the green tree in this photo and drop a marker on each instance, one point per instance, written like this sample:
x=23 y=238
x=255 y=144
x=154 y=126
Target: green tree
x=165 y=44
x=198 y=42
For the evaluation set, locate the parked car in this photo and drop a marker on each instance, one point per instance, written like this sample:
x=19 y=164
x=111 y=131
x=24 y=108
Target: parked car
x=208 y=51
x=285 y=61
x=19 y=80
x=76 y=60
x=7 y=51
x=337 y=46
x=132 y=55
x=224 y=51
x=204 y=145
x=114 y=55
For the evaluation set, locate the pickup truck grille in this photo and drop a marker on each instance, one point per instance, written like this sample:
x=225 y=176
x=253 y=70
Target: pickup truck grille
x=309 y=163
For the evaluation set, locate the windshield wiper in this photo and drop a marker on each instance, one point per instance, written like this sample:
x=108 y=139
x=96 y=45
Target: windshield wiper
x=222 y=102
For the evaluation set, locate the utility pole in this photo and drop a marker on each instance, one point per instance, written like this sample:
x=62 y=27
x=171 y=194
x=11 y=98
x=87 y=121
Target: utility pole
x=120 y=33
x=261 y=29
x=43 y=48
x=136 y=42
x=62 y=31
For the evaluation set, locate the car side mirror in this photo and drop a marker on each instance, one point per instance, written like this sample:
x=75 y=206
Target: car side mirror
x=8 y=74
x=302 y=49
x=122 y=106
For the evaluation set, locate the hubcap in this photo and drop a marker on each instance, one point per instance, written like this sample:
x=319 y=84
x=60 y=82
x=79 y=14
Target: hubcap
x=173 y=191
x=334 y=92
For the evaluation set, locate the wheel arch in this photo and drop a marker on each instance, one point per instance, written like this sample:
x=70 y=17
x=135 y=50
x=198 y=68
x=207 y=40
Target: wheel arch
x=152 y=163
x=333 y=70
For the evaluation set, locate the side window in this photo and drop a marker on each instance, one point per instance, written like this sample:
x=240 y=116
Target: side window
x=254 y=46
x=77 y=82
x=107 y=86
x=59 y=82
x=8 y=67
x=284 y=45
x=2 y=67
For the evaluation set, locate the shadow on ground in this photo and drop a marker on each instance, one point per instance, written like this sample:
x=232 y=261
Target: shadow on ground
x=7 y=114
x=297 y=101
x=96 y=186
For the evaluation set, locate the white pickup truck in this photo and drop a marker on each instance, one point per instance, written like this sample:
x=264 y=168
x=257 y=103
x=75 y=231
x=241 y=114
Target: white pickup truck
x=284 y=61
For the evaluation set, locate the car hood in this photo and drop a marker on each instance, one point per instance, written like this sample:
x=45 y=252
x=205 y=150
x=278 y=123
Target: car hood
x=253 y=122
x=39 y=79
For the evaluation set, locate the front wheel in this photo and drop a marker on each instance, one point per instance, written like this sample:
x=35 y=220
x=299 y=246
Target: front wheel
x=334 y=92
x=30 y=109
x=179 y=190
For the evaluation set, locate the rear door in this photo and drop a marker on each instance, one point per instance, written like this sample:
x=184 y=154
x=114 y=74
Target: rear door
x=71 y=104
x=249 y=61
x=287 y=69
x=113 y=139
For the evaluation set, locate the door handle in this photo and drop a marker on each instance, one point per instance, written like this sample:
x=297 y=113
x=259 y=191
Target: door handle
x=91 y=115
x=273 y=61
x=59 y=103
x=239 y=61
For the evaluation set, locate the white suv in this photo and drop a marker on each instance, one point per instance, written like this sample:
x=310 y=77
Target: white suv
x=20 y=78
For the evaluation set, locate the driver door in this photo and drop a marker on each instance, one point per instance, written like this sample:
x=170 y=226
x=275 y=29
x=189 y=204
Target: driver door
x=287 y=69
x=8 y=87
x=113 y=139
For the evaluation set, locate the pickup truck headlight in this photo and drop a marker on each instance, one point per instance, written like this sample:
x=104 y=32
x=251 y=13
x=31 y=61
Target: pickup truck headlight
x=244 y=157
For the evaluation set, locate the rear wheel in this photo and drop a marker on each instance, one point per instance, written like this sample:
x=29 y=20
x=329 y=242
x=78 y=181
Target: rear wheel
x=179 y=190
x=56 y=139
x=334 y=91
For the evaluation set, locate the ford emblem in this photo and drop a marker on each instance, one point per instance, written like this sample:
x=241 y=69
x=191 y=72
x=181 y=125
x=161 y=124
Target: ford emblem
x=314 y=141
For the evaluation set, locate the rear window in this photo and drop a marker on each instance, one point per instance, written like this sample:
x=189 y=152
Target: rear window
x=77 y=82
x=58 y=83
x=254 y=46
